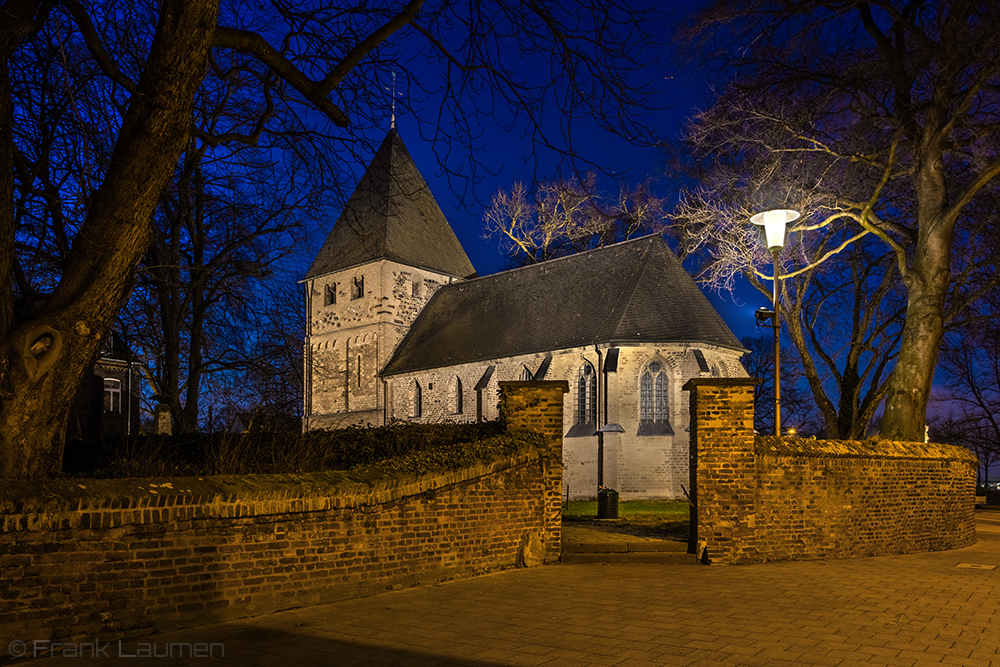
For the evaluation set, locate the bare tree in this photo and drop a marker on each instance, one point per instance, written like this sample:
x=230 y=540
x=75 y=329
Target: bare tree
x=203 y=286
x=970 y=371
x=147 y=63
x=967 y=430
x=798 y=410
x=876 y=120
x=567 y=217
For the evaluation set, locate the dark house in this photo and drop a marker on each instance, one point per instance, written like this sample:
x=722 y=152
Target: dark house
x=107 y=403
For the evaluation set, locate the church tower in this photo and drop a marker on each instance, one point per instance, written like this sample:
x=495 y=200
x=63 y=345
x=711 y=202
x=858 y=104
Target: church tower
x=386 y=255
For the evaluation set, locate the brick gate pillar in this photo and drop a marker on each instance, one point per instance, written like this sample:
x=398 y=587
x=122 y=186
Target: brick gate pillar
x=722 y=469
x=538 y=407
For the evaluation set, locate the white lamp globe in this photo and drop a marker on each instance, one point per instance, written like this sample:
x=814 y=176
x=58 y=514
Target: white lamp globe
x=774 y=222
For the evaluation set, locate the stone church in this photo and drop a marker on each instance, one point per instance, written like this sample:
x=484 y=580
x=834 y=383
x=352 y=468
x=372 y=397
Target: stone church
x=400 y=327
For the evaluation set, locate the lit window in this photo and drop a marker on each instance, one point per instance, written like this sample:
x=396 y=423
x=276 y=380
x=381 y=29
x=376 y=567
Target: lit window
x=112 y=395
x=654 y=388
x=586 y=395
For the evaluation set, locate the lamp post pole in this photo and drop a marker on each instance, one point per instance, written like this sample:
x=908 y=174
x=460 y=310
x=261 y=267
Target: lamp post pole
x=776 y=323
x=773 y=222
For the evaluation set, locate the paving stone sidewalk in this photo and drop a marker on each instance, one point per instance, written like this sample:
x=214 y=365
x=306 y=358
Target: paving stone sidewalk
x=923 y=609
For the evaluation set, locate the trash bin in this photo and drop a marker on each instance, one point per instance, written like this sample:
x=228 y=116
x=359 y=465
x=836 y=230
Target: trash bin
x=607 y=504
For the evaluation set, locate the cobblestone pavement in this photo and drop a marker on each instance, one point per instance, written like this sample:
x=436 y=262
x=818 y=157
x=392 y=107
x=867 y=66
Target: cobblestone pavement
x=923 y=609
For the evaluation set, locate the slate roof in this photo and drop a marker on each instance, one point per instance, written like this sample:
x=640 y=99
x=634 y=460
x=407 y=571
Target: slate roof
x=636 y=291
x=392 y=215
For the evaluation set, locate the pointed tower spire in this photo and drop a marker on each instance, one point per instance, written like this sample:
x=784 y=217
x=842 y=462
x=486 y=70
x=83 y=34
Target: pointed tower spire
x=392 y=215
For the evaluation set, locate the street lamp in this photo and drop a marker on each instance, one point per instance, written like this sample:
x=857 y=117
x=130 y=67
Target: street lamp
x=774 y=222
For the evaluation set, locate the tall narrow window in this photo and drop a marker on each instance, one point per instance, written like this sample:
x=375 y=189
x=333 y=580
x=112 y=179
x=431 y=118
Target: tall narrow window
x=458 y=396
x=359 y=370
x=112 y=395
x=330 y=295
x=418 y=400
x=585 y=416
x=416 y=289
x=358 y=287
x=654 y=392
x=586 y=395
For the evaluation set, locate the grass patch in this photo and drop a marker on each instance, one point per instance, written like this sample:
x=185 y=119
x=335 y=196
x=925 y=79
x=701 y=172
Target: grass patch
x=669 y=516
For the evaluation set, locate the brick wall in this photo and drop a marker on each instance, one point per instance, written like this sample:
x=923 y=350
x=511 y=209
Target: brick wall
x=538 y=407
x=122 y=558
x=761 y=499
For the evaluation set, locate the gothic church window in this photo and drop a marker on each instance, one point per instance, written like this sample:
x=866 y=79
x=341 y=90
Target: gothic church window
x=418 y=400
x=330 y=295
x=458 y=396
x=585 y=418
x=358 y=287
x=654 y=391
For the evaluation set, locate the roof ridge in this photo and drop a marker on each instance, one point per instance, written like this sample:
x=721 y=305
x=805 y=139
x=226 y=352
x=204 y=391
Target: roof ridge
x=574 y=256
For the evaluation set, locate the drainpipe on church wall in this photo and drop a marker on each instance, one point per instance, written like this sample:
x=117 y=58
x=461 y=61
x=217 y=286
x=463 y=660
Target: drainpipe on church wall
x=601 y=414
x=385 y=401
x=598 y=416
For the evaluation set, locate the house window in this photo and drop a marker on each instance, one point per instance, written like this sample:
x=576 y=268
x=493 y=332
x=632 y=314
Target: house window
x=418 y=400
x=330 y=295
x=358 y=287
x=112 y=395
x=654 y=387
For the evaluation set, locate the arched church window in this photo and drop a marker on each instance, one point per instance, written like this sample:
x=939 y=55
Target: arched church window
x=585 y=417
x=330 y=295
x=654 y=393
x=586 y=395
x=458 y=396
x=418 y=400
x=358 y=287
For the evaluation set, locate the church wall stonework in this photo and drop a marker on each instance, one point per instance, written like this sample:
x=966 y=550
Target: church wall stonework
x=356 y=319
x=637 y=466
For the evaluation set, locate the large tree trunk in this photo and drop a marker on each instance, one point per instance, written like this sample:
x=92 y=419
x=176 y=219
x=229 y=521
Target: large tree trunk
x=927 y=280
x=910 y=385
x=41 y=361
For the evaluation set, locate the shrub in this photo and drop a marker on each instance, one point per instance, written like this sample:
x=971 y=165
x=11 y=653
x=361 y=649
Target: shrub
x=272 y=452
